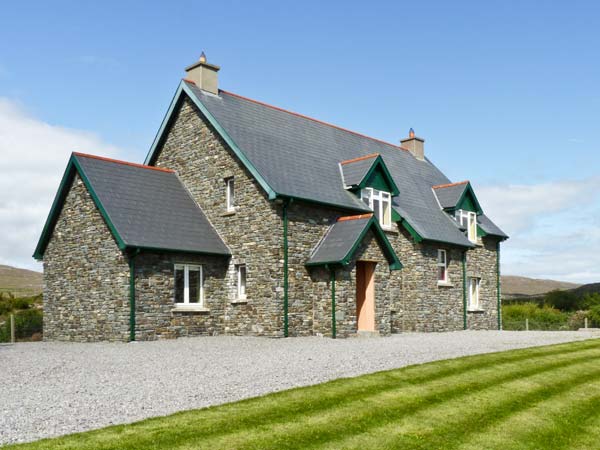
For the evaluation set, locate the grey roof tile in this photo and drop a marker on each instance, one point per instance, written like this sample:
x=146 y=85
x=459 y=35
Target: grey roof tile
x=354 y=172
x=338 y=241
x=150 y=208
x=449 y=195
x=490 y=227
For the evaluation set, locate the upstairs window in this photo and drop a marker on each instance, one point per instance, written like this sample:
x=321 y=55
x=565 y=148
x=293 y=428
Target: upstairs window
x=468 y=220
x=230 y=194
x=474 y=294
x=189 y=285
x=381 y=204
x=442 y=268
x=241 y=281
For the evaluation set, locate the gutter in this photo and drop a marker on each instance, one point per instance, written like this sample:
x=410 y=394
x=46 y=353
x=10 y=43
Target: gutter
x=286 y=203
x=132 y=257
x=499 y=312
x=333 y=320
x=464 y=281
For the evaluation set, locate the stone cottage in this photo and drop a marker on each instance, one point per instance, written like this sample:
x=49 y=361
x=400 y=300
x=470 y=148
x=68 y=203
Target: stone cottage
x=248 y=219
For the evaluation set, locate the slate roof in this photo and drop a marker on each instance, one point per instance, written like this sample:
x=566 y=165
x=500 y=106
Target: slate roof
x=355 y=170
x=490 y=227
x=343 y=237
x=449 y=194
x=296 y=156
x=146 y=207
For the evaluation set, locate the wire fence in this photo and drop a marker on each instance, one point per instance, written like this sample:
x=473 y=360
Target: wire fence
x=526 y=324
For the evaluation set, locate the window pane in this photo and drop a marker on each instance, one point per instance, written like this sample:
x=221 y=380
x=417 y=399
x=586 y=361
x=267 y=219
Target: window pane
x=441 y=257
x=179 y=285
x=387 y=216
x=376 y=209
x=194 y=286
x=365 y=196
x=242 y=281
x=441 y=273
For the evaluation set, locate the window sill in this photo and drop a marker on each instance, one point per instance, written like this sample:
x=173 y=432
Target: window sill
x=445 y=284
x=239 y=301
x=229 y=213
x=192 y=309
x=389 y=230
x=476 y=311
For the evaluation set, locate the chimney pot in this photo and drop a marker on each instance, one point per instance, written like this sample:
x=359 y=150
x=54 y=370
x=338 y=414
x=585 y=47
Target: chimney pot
x=204 y=75
x=415 y=145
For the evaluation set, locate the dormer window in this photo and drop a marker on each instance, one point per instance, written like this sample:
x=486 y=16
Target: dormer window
x=381 y=204
x=468 y=220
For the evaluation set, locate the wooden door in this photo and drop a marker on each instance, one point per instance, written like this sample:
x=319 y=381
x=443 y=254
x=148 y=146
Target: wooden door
x=365 y=295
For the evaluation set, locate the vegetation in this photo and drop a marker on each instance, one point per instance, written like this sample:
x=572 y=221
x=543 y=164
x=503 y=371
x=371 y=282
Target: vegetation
x=544 y=397
x=20 y=282
x=28 y=316
x=556 y=310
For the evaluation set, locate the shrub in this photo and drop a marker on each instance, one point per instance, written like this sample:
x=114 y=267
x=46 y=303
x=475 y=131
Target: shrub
x=594 y=316
x=27 y=323
x=564 y=300
x=540 y=318
x=577 y=320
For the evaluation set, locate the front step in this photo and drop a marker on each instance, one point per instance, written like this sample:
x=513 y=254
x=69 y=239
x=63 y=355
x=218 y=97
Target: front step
x=367 y=334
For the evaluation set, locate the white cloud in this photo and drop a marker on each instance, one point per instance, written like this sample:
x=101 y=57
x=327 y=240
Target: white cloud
x=33 y=157
x=554 y=228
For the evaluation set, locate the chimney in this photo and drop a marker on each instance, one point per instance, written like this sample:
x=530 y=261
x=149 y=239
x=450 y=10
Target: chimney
x=415 y=145
x=204 y=75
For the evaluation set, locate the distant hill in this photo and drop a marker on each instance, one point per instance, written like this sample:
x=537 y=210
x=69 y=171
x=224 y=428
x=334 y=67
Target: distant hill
x=514 y=286
x=20 y=281
x=587 y=289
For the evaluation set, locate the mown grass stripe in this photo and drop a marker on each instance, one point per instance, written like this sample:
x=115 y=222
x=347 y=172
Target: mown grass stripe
x=243 y=422
x=359 y=417
x=419 y=434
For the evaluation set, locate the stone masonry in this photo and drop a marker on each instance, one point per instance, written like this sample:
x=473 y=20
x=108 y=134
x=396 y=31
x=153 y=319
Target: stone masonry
x=85 y=276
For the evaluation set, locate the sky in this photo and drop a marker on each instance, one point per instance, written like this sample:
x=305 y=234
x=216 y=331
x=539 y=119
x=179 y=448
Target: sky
x=505 y=94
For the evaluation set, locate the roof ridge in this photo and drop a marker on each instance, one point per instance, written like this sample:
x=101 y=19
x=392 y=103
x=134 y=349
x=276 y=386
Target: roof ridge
x=356 y=217
x=441 y=186
x=312 y=119
x=360 y=158
x=125 y=163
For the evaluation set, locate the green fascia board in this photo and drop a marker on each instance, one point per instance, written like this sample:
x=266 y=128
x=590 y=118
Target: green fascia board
x=184 y=88
x=366 y=209
x=415 y=235
x=379 y=164
x=468 y=201
x=175 y=250
x=72 y=167
x=393 y=260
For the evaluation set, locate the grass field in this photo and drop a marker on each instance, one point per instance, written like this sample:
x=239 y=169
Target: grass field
x=545 y=397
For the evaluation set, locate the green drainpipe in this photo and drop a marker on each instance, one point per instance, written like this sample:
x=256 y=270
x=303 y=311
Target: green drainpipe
x=333 y=326
x=132 y=294
x=464 y=281
x=285 y=268
x=499 y=313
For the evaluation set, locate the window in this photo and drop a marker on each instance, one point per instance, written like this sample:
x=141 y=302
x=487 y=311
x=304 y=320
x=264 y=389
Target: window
x=381 y=204
x=442 y=268
x=468 y=220
x=230 y=194
x=189 y=285
x=474 y=294
x=241 y=281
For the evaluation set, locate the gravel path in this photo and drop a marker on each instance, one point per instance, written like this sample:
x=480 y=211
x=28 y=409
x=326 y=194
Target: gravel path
x=49 y=389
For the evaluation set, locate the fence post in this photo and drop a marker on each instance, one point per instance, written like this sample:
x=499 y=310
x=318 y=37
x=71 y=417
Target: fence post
x=585 y=323
x=526 y=324
x=12 y=328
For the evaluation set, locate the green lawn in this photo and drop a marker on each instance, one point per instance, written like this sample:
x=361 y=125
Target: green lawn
x=546 y=397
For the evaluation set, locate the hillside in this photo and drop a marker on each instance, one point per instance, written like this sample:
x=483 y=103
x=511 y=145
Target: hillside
x=20 y=281
x=587 y=289
x=514 y=286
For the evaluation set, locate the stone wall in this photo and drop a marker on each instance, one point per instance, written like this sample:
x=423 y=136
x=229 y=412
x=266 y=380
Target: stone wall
x=253 y=233
x=86 y=296
x=482 y=263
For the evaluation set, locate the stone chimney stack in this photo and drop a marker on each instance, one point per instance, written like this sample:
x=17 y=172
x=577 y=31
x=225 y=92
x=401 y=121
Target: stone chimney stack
x=415 y=145
x=204 y=75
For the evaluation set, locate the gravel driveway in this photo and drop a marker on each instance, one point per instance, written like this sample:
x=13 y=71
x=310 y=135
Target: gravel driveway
x=49 y=389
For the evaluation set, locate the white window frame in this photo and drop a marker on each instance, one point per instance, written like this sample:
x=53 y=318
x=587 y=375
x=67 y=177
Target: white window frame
x=442 y=263
x=468 y=219
x=186 y=285
x=474 y=304
x=230 y=194
x=368 y=195
x=241 y=288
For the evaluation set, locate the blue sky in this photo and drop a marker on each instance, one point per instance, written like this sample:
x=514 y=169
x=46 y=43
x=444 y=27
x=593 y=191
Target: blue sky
x=505 y=94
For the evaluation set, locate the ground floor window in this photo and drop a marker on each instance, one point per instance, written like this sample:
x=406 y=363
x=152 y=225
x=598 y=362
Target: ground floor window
x=241 y=281
x=474 y=293
x=442 y=268
x=189 y=284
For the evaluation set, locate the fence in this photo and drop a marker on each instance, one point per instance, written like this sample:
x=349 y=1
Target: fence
x=539 y=325
x=22 y=325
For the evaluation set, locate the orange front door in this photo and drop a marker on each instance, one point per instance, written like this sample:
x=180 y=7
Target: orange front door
x=365 y=295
